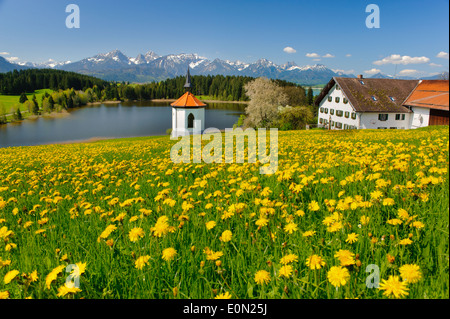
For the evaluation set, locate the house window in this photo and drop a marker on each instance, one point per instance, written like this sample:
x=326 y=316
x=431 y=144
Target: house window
x=392 y=98
x=382 y=128
x=374 y=98
x=347 y=114
x=336 y=99
x=337 y=87
x=399 y=117
x=393 y=128
x=321 y=120
x=354 y=115
x=382 y=117
x=330 y=98
x=345 y=100
x=326 y=111
x=345 y=126
x=321 y=110
x=362 y=82
x=331 y=111
x=338 y=125
x=190 y=121
x=332 y=123
x=339 y=113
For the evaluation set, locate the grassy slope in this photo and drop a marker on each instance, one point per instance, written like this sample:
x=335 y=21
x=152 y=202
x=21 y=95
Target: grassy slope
x=10 y=102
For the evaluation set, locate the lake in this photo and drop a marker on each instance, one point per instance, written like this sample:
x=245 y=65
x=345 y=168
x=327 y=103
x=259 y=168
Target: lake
x=127 y=119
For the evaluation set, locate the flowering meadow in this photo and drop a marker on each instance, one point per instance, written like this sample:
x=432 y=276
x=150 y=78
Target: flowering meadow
x=349 y=214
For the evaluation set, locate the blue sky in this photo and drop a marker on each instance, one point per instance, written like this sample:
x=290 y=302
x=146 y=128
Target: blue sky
x=412 y=38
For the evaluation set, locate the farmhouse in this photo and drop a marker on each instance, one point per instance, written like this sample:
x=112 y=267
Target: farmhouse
x=359 y=103
x=429 y=102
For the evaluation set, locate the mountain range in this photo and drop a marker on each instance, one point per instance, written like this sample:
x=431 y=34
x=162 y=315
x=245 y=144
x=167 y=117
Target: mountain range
x=116 y=66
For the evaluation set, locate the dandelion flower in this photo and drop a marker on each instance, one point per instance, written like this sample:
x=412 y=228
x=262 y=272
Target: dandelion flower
x=313 y=206
x=210 y=225
x=141 y=262
x=52 y=275
x=345 y=257
x=225 y=295
x=168 y=254
x=352 y=238
x=288 y=259
x=290 y=228
x=135 y=234
x=67 y=289
x=315 y=262
x=394 y=287
x=410 y=273
x=4 y=294
x=338 y=276
x=309 y=233
x=226 y=236
x=10 y=275
x=285 y=271
x=262 y=221
x=262 y=277
x=405 y=242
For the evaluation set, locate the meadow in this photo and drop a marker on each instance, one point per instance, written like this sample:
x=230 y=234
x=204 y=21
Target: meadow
x=11 y=102
x=343 y=209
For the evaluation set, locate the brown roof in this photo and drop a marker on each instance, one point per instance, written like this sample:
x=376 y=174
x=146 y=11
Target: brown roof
x=188 y=100
x=389 y=94
x=432 y=94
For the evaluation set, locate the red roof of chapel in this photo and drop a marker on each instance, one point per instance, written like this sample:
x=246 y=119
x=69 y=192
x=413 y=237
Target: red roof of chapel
x=188 y=100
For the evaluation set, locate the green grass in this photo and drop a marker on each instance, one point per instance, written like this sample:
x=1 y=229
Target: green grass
x=73 y=185
x=10 y=102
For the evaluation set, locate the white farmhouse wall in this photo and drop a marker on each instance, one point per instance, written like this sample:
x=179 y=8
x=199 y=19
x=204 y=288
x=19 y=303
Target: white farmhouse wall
x=337 y=106
x=371 y=121
x=420 y=118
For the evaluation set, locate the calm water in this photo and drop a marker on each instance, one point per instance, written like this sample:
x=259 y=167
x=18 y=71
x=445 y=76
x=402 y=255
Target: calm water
x=127 y=119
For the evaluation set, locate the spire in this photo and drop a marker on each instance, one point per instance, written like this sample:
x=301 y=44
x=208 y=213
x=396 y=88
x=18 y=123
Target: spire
x=188 y=85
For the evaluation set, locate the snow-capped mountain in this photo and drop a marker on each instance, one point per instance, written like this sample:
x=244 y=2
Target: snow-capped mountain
x=116 y=66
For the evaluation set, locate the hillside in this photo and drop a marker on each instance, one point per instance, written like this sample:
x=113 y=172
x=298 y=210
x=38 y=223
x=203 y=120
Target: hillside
x=136 y=225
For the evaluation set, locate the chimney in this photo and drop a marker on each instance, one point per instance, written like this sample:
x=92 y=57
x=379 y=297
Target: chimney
x=360 y=76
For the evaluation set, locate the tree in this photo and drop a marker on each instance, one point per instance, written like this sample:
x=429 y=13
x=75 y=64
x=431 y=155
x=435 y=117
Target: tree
x=265 y=98
x=295 y=118
x=23 y=98
x=310 y=96
x=18 y=115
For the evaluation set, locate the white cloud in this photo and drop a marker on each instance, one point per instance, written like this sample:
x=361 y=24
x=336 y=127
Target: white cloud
x=399 y=59
x=4 y=53
x=328 y=55
x=408 y=72
x=351 y=71
x=442 y=55
x=372 y=71
x=289 y=50
x=348 y=55
x=312 y=55
x=435 y=65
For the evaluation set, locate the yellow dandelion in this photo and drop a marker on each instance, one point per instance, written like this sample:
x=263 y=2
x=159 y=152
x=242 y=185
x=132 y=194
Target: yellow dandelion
x=225 y=295
x=315 y=262
x=290 y=258
x=10 y=275
x=135 y=234
x=226 y=236
x=169 y=254
x=285 y=271
x=262 y=277
x=410 y=273
x=352 y=238
x=210 y=225
x=393 y=287
x=141 y=262
x=338 y=276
